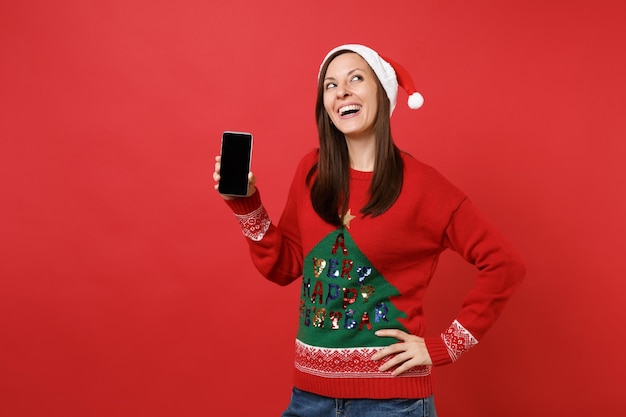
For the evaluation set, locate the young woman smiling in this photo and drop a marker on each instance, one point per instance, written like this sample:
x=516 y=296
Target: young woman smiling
x=363 y=228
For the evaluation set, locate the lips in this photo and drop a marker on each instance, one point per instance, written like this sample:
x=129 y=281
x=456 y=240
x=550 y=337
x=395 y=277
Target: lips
x=349 y=109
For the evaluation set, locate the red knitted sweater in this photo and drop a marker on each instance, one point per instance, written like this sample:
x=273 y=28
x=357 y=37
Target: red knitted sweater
x=373 y=273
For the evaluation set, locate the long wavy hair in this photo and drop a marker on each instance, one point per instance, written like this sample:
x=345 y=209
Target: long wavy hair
x=330 y=191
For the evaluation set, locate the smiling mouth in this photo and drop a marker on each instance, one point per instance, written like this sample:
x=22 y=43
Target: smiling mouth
x=351 y=109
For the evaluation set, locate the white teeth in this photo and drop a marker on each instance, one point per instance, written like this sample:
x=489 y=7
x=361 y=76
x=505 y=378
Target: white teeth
x=353 y=108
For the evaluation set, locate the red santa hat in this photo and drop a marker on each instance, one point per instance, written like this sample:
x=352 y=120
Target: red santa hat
x=389 y=73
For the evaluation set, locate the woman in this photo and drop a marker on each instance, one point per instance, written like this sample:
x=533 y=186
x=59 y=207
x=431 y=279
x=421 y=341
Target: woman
x=363 y=228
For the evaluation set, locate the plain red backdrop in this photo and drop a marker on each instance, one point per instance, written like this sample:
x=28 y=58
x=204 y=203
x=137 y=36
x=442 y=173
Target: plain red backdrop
x=125 y=285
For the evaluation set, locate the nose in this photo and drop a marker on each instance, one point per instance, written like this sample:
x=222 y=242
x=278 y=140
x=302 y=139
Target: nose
x=342 y=90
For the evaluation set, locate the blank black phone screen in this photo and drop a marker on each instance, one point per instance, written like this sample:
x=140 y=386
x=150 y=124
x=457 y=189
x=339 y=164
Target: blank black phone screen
x=235 y=163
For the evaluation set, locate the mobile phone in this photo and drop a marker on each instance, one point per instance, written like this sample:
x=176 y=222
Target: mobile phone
x=235 y=163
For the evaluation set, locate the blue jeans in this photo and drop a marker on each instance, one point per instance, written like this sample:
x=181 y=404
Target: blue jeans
x=306 y=404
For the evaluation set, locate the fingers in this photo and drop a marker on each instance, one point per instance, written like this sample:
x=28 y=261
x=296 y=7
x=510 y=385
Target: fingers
x=403 y=359
x=395 y=333
x=408 y=353
x=216 y=172
x=392 y=349
x=397 y=365
x=216 y=176
x=388 y=351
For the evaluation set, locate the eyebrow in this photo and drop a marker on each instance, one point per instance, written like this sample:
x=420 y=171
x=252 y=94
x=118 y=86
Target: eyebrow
x=349 y=73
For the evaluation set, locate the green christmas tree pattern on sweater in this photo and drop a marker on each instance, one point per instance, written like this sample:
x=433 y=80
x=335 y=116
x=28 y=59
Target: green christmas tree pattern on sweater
x=344 y=300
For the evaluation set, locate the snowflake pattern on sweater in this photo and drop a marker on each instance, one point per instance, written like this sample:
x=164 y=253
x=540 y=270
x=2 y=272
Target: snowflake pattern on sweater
x=255 y=224
x=458 y=340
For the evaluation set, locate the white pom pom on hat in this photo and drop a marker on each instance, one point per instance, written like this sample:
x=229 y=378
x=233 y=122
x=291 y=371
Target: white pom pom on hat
x=390 y=74
x=416 y=100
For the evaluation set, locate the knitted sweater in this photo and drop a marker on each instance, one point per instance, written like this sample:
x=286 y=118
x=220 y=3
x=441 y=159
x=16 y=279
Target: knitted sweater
x=372 y=274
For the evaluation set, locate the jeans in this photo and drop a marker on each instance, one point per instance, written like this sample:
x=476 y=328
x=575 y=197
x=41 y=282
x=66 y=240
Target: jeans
x=306 y=404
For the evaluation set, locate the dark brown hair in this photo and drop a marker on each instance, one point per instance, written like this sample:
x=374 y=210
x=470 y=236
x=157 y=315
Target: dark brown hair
x=330 y=191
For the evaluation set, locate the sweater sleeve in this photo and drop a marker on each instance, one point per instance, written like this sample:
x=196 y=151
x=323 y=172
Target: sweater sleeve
x=275 y=248
x=500 y=271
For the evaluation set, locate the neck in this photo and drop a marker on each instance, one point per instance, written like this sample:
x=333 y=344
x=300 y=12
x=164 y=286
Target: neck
x=362 y=154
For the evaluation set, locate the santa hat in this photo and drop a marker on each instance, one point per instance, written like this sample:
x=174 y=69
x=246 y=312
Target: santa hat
x=389 y=73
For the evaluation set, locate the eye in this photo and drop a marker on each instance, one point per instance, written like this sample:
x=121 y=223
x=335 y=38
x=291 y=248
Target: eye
x=328 y=86
x=356 y=78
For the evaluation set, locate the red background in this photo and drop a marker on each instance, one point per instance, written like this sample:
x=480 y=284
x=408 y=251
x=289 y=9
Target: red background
x=126 y=286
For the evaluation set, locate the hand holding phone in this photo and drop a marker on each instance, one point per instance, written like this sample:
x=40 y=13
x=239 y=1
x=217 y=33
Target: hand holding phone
x=236 y=158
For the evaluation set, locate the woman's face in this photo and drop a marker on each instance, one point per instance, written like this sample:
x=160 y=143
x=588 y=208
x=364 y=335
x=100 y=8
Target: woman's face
x=350 y=95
